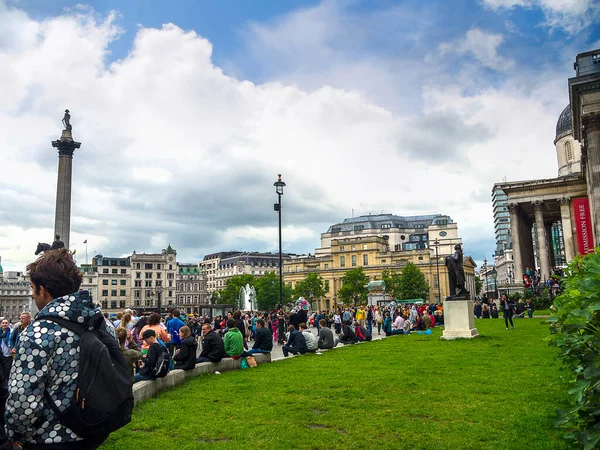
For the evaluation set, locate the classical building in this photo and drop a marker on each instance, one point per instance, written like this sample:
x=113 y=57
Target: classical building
x=15 y=295
x=374 y=252
x=154 y=279
x=209 y=266
x=90 y=279
x=112 y=282
x=191 y=288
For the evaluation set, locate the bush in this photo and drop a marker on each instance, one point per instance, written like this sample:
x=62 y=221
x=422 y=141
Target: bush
x=575 y=330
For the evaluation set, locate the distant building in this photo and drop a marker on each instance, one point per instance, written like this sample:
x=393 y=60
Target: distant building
x=15 y=295
x=154 y=279
x=191 y=289
x=209 y=266
x=90 y=280
x=113 y=282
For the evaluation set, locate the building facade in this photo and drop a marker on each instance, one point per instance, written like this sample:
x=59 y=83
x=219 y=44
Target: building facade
x=90 y=279
x=15 y=295
x=209 y=266
x=153 y=276
x=113 y=282
x=191 y=289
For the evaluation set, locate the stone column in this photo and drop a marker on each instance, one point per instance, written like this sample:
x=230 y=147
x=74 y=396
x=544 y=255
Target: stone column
x=591 y=129
x=541 y=240
x=516 y=239
x=565 y=217
x=62 y=221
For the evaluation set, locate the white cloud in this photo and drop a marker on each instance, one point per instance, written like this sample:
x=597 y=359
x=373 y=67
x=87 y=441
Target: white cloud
x=483 y=46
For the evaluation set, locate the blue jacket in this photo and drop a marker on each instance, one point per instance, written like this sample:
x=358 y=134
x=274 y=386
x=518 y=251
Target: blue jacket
x=297 y=341
x=173 y=326
x=47 y=359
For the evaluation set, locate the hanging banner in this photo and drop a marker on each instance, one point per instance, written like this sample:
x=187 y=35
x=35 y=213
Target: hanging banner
x=583 y=225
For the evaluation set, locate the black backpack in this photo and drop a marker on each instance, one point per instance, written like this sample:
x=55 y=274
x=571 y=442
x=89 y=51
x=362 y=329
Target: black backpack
x=163 y=364
x=103 y=401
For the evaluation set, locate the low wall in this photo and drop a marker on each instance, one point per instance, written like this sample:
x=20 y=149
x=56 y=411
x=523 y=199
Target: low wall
x=144 y=390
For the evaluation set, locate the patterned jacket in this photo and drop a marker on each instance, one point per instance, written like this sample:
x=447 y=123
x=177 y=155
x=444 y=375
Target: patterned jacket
x=47 y=358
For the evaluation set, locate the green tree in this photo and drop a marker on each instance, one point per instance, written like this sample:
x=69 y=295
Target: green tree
x=314 y=284
x=354 y=287
x=392 y=283
x=412 y=283
x=478 y=286
x=267 y=292
x=231 y=293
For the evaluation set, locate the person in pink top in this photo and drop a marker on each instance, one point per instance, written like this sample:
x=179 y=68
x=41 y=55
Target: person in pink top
x=154 y=324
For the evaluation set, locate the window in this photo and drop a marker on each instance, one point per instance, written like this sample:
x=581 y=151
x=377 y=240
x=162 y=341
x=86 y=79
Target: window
x=568 y=151
x=114 y=271
x=341 y=248
x=170 y=293
x=386 y=225
x=122 y=293
x=365 y=246
x=353 y=260
x=436 y=281
x=113 y=282
x=104 y=292
x=420 y=258
x=325 y=266
x=138 y=283
x=104 y=282
x=365 y=260
x=170 y=283
x=148 y=275
x=122 y=282
x=170 y=266
x=383 y=261
x=297 y=268
x=138 y=293
x=148 y=284
x=123 y=271
x=326 y=287
x=353 y=247
x=158 y=267
x=342 y=261
x=104 y=270
x=89 y=281
x=138 y=274
x=359 y=227
x=113 y=293
x=148 y=266
x=121 y=303
x=138 y=266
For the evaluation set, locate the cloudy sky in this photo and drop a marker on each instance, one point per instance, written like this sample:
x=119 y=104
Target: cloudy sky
x=188 y=110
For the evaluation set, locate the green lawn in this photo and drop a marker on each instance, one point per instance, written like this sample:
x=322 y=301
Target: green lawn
x=417 y=392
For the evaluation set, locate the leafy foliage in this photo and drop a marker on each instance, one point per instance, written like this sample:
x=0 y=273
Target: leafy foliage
x=412 y=283
x=392 y=283
x=354 y=287
x=267 y=292
x=231 y=293
x=576 y=332
x=314 y=284
x=478 y=286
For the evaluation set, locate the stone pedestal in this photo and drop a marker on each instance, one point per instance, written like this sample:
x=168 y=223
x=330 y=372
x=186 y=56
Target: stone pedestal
x=459 y=321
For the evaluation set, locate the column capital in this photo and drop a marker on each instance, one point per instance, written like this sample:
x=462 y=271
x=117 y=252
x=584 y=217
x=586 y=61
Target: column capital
x=537 y=204
x=591 y=122
x=513 y=208
x=564 y=200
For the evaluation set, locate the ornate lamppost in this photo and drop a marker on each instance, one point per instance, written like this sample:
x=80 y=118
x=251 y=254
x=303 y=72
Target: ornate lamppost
x=159 y=291
x=494 y=275
x=436 y=243
x=279 y=185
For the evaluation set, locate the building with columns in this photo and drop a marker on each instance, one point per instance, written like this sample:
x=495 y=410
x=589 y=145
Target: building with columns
x=552 y=220
x=15 y=295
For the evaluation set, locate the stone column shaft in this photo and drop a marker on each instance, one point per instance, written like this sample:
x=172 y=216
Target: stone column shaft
x=541 y=240
x=591 y=125
x=565 y=217
x=516 y=238
x=62 y=219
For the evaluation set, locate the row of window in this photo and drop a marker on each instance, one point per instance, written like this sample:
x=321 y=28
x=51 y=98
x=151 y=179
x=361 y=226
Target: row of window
x=113 y=282
x=343 y=260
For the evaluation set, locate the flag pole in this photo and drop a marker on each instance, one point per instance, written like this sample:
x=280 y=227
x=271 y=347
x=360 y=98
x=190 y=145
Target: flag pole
x=86 y=256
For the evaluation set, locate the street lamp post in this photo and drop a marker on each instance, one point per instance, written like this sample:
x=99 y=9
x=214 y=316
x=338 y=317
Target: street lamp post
x=494 y=275
x=436 y=243
x=485 y=271
x=311 y=300
x=279 y=185
x=159 y=291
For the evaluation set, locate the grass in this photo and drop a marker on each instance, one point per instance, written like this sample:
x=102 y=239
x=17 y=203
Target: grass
x=417 y=392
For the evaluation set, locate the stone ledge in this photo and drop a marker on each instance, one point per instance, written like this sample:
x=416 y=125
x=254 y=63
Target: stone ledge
x=144 y=390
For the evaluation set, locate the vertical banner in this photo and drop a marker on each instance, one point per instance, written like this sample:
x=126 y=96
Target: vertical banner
x=583 y=225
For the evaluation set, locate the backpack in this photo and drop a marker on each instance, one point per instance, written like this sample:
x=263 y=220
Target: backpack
x=163 y=364
x=103 y=401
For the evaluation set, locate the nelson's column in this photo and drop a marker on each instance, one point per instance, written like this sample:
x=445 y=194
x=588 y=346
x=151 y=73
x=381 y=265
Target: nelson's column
x=66 y=147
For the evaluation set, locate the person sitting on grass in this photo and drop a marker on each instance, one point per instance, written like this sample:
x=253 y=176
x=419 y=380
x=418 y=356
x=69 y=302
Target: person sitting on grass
x=146 y=367
x=347 y=335
x=234 y=341
x=296 y=343
x=325 y=336
x=130 y=349
x=362 y=333
x=311 y=341
x=213 y=349
x=185 y=355
x=263 y=340
x=427 y=322
x=387 y=324
x=398 y=326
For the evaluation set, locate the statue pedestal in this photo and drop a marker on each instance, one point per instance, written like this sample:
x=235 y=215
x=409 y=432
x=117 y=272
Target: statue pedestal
x=459 y=320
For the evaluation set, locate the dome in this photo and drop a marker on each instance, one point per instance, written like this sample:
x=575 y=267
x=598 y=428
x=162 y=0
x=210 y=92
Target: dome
x=563 y=126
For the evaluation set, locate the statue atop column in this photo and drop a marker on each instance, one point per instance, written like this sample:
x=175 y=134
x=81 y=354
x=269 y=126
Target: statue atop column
x=57 y=242
x=456 y=275
x=67 y=120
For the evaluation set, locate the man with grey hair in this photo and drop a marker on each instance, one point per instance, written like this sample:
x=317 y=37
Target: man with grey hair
x=25 y=320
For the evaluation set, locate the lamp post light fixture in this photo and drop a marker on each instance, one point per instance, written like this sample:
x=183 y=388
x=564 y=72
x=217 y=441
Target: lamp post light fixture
x=279 y=185
x=311 y=300
x=159 y=291
x=436 y=243
x=494 y=275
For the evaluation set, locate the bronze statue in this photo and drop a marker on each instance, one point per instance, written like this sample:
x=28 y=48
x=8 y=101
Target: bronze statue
x=57 y=242
x=42 y=247
x=67 y=120
x=456 y=275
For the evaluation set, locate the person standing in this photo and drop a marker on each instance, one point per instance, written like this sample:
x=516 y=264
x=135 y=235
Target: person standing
x=370 y=319
x=507 y=308
x=25 y=320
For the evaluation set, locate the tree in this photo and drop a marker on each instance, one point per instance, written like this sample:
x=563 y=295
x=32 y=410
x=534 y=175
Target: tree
x=392 y=283
x=354 y=287
x=314 y=284
x=231 y=293
x=267 y=292
x=412 y=283
x=478 y=286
